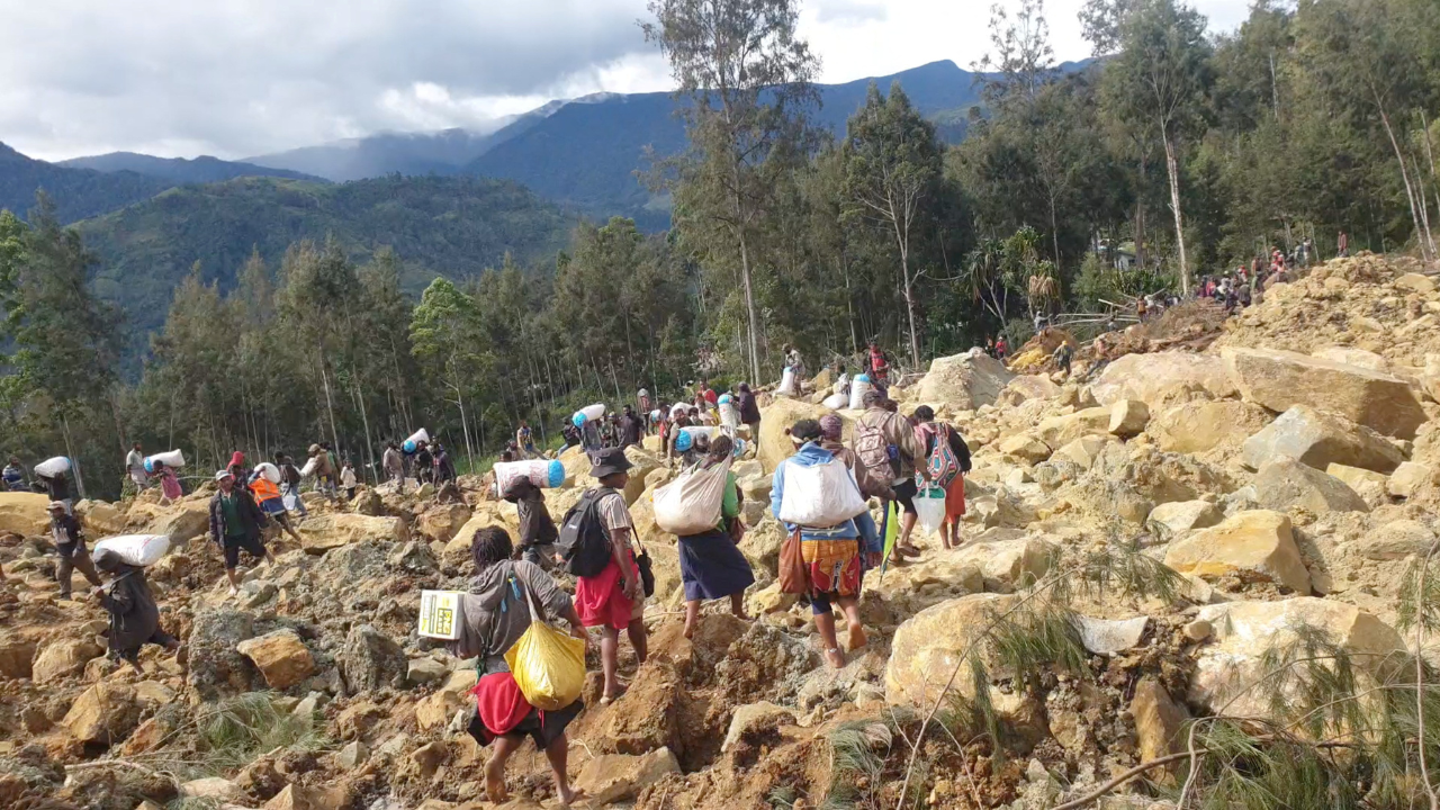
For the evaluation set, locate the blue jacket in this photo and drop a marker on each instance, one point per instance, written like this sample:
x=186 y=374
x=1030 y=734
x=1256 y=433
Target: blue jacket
x=861 y=526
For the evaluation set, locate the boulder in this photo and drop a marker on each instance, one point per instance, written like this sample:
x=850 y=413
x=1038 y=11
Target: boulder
x=105 y=714
x=16 y=657
x=1408 y=478
x=216 y=668
x=322 y=532
x=1202 y=426
x=487 y=513
x=1083 y=451
x=1026 y=447
x=215 y=789
x=1058 y=431
x=1128 y=417
x=1026 y=387
x=1415 y=282
x=1320 y=439
x=1368 y=484
x=750 y=716
x=180 y=522
x=644 y=462
x=280 y=656
x=928 y=647
x=964 y=381
x=63 y=658
x=774 y=445
x=1279 y=380
x=1110 y=636
x=1396 y=540
x=440 y=523
x=1284 y=485
x=371 y=660
x=1149 y=377
x=1254 y=545
x=1159 y=720
x=1174 y=519
x=1349 y=355
x=1229 y=668
x=100 y=518
x=615 y=777
x=23 y=513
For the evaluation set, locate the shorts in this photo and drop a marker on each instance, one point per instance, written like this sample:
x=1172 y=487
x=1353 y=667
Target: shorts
x=249 y=543
x=905 y=492
x=273 y=506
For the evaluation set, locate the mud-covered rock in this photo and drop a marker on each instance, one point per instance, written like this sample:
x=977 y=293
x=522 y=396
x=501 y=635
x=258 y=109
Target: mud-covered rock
x=1284 y=485
x=216 y=667
x=371 y=660
x=964 y=381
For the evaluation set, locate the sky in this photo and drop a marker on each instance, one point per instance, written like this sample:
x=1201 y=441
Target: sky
x=236 y=78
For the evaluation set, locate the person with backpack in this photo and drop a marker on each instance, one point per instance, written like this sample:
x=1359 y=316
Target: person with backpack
x=235 y=524
x=290 y=484
x=885 y=443
x=70 y=545
x=711 y=565
x=948 y=459
x=834 y=556
x=595 y=542
x=424 y=464
x=134 y=616
x=495 y=613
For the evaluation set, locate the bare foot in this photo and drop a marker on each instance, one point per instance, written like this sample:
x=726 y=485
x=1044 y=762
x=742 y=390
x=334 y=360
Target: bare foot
x=857 y=638
x=495 y=787
x=743 y=616
x=835 y=658
x=689 y=630
x=569 y=795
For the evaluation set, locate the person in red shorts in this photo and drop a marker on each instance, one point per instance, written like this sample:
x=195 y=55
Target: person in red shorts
x=614 y=599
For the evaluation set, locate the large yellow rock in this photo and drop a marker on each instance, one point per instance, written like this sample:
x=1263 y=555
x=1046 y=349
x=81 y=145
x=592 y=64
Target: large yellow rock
x=63 y=658
x=1230 y=669
x=1368 y=484
x=1150 y=377
x=928 y=647
x=1128 y=417
x=1058 y=431
x=1202 y=426
x=280 y=656
x=1279 y=380
x=1286 y=485
x=320 y=533
x=23 y=513
x=963 y=381
x=100 y=518
x=775 y=445
x=1319 y=439
x=487 y=513
x=441 y=522
x=104 y=713
x=181 y=522
x=1255 y=545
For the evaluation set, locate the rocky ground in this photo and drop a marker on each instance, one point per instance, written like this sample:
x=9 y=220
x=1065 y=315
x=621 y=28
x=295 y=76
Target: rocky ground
x=1141 y=541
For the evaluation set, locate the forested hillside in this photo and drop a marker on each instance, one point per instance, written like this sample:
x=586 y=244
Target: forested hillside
x=1077 y=191
x=451 y=226
x=179 y=171
x=77 y=193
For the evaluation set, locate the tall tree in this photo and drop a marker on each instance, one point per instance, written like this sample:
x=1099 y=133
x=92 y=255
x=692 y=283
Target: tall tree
x=445 y=332
x=747 y=76
x=892 y=166
x=1021 y=60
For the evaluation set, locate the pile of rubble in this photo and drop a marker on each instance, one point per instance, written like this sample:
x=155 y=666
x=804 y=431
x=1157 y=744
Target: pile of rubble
x=1277 y=486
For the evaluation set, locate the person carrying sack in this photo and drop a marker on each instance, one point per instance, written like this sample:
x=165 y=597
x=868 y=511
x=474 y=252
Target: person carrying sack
x=134 y=616
x=947 y=459
x=504 y=597
x=711 y=565
x=824 y=556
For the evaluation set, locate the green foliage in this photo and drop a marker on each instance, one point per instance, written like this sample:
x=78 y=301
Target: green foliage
x=248 y=725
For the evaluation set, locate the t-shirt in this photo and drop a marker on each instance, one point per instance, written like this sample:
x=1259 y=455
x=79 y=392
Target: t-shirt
x=66 y=531
x=231 y=507
x=614 y=514
x=135 y=462
x=711 y=396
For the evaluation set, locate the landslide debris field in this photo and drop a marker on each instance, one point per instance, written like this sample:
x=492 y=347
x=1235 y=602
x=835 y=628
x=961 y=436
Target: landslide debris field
x=1199 y=556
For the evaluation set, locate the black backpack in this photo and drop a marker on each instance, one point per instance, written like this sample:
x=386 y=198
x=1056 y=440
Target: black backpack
x=583 y=542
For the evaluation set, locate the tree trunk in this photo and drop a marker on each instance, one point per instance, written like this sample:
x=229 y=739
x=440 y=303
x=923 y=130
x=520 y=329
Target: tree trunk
x=1422 y=236
x=753 y=339
x=1140 y=213
x=1173 y=167
x=329 y=406
x=369 y=440
x=910 y=310
x=70 y=451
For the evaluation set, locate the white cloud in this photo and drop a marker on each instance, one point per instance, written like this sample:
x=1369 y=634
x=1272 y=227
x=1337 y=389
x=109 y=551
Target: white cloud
x=243 y=77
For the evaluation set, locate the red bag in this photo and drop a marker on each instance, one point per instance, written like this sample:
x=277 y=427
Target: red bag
x=794 y=574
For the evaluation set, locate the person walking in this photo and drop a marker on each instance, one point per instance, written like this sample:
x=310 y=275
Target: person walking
x=525 y=441
x=711 y=565
x=267 y=495
x=235 y=525
x=885 y=443
x=348 y=480
x=643 y=397
x=948 y=459
x=69 y=540
x=632 y=427
x=238 y=469
x=537 y=528
x=394 y=465
x=749 y=409
x=290 y=479
x=169 y=484
x=57 y=486
x=494 y=614
x=877 y=367
x=424 y=464
x=1002 y=348
x=1064 y=353
x=134 y=616
x=444 y=466
x=324 y=471
x=135 y=468
x=614 y=599
x=835 y=556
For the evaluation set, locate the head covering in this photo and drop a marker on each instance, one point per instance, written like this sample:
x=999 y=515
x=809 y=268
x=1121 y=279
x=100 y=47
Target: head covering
x=743 y=388
x=221 y=475
x=831 y=426
x=872 y=398
x=106 y=560
x=609 y=461
x=314 y=448
x=56 y=505
x=806 y=430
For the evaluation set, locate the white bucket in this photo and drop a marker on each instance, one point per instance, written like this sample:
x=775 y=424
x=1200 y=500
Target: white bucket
x=52 y=467
x=174 y=459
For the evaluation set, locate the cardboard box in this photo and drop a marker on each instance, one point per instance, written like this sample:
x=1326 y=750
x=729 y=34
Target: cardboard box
x=440 y=614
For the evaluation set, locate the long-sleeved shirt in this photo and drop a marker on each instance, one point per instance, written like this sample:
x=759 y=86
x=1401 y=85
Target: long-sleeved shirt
x=809 y=455
x=899 y=434
x=495 y=614
x=393 y=463
x=134 y=617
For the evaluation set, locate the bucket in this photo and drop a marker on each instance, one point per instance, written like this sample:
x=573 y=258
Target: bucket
x=51 y=467
x=173 y=459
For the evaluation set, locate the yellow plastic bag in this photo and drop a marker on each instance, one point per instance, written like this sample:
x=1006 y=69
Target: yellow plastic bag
x=548 y=665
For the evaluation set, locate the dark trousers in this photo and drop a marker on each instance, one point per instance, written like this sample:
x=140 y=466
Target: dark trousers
x=69 y=563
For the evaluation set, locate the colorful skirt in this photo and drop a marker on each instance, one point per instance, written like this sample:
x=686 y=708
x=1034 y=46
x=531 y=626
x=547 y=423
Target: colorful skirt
x=835 y=566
